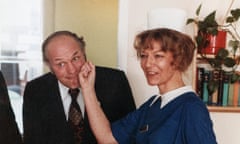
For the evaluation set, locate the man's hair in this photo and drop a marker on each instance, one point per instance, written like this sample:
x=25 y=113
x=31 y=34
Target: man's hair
x=180 y=45
x=79 y=40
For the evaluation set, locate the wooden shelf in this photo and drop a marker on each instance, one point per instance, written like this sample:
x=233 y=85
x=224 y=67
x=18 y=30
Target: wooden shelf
x=199 y=62
x=224 y=109
x=206 y=55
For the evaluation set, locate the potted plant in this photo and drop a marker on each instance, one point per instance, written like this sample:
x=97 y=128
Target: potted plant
x=223 y=59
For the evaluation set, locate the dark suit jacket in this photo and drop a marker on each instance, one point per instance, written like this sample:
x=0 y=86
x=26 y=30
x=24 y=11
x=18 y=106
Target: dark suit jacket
x=43 y=113
x=9 y=133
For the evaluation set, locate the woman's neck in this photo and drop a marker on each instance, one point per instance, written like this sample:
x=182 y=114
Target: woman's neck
x=172 y=84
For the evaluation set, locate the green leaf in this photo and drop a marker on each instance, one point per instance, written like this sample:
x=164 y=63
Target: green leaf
x=236 y=13
x=222 y=53
x=235 y=77
x=234 y=44
x=190 y=20
x=230 y=19
x=210 y=19
x=214 y=31
x=198 y=9
x=216 y=63
x=229 y=62
x=200 y=41
x=212 y=87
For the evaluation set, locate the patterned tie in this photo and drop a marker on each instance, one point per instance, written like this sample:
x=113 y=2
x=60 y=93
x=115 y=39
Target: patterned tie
x=75 y=118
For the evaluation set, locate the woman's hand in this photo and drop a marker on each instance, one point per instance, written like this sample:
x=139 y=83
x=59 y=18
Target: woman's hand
x=87 y=76
x=97 y=119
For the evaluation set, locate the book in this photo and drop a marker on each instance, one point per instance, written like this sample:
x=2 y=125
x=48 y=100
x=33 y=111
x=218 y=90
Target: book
x=205 y=84
x=199 y=81
x=239 y=93
x=225 y=91
x=220 y=88
x=235 y=93
x=230 y=94
x=215 y=94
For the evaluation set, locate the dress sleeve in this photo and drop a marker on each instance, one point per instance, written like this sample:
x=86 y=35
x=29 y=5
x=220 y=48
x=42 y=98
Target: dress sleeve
x=198 y=125
x=125 y=129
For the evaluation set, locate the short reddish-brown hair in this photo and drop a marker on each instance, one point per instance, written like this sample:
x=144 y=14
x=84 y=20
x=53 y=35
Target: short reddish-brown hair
x=180 y=45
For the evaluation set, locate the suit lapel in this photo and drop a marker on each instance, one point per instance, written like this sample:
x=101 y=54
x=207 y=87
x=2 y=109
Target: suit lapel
x=56 y=118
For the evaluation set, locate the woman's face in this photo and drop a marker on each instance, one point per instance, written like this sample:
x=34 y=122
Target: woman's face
x=158 y=66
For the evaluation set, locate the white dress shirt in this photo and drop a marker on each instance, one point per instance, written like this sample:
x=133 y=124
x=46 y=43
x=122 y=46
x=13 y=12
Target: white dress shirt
x=66 y=99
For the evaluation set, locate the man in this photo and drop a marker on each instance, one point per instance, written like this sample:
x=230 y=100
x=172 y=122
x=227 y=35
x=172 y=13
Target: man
x=47 y=102
x=9 y=133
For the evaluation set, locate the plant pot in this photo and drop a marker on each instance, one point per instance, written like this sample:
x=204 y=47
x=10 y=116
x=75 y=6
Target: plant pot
x=215 y=42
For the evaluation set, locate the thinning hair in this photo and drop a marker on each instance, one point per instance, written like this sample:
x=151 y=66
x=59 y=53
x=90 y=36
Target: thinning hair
x=79 y=40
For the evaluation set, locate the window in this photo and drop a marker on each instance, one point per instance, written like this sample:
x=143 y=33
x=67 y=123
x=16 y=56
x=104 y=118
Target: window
x=21 y=32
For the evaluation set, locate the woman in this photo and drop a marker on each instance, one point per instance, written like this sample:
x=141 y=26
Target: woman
x=176 y=115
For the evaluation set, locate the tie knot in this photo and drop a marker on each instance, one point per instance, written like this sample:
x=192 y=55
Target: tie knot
x=73 y=93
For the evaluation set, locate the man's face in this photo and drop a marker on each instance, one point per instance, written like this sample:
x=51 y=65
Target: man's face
x=65 y=60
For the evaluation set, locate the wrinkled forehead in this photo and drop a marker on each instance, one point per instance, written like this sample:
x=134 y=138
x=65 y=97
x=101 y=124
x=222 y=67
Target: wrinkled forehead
x=62 y=42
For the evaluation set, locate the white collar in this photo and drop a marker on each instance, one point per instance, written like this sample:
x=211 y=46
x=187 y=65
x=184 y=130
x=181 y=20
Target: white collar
x=169 y=96
x=63 y=90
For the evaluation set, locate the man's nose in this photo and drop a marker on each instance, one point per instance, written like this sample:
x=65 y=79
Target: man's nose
x=71 y=68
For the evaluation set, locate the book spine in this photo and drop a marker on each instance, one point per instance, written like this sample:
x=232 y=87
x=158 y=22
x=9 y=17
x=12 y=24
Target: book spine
x=235 y=93
x=225 y=94
x=199 y=82
x=230 y=95
x=205 y=84
x=226 y=82
x=215 y=78
x=239 y=93
x=220 y=88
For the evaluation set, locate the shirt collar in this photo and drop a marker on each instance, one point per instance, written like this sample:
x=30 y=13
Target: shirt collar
x=63 y=91
x=66 y=98
x=169 y=96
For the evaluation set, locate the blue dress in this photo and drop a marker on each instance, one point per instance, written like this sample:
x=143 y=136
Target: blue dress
x=184 y=120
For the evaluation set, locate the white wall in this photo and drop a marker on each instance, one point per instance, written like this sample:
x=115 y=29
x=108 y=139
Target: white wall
x=227 y=127
x=133 y=18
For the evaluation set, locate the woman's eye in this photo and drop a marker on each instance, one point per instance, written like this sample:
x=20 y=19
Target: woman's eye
x=159 y=56
x=143 y=56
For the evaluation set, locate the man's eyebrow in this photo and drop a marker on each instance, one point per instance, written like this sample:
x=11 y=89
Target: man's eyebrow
x=75 y=53
x=57 y=60
x=60 y=59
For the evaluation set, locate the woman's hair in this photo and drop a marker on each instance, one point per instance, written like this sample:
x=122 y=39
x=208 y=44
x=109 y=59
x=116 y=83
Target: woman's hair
x=180 y=45
x=56 y=34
